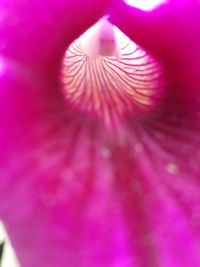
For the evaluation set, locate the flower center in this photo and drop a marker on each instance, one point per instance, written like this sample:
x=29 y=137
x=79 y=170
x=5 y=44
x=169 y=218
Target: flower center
x=107 y=75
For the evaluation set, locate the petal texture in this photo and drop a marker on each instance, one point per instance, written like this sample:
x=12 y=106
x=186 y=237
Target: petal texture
x=112 y=86
x=76 y=193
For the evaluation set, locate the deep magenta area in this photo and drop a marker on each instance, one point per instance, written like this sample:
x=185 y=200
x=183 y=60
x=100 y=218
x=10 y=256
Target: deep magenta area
x=73 y=192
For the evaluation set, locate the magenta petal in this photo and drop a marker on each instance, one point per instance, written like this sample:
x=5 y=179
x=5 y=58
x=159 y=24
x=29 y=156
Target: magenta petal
x=37 y=33
x=82 y=197
x=74 y=193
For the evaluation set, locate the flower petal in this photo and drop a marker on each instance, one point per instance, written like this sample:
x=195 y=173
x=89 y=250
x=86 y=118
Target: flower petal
x=74 y=193
x=83 y=196
x=111 y=87
x=52 y=26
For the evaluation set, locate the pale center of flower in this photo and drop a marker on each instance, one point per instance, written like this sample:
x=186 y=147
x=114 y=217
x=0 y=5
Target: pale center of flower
x=100 y=40
x=107 y=75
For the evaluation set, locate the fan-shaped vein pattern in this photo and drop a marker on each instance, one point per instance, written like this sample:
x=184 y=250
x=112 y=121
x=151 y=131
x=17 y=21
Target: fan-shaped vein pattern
x=112 y=86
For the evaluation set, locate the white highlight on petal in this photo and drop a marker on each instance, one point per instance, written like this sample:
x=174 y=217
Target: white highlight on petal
x=145 y=5
x=172 y=168
x=2 y=66
x=9 y=258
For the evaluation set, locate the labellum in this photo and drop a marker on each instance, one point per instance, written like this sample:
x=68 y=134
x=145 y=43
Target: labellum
x=107 y=75
x=100 y=133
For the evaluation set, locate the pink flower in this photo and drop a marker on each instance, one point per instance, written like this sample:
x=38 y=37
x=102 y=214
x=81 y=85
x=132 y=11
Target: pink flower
x=74 y=191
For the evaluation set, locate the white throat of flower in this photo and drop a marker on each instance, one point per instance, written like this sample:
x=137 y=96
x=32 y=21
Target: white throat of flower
x=100 y=40
x=107 y=75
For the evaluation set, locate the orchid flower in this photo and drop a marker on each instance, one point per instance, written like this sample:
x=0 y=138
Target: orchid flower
x=99 y=138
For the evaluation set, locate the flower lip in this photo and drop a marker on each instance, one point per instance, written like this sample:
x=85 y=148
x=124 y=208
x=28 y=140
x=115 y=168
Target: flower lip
x=107 y=75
